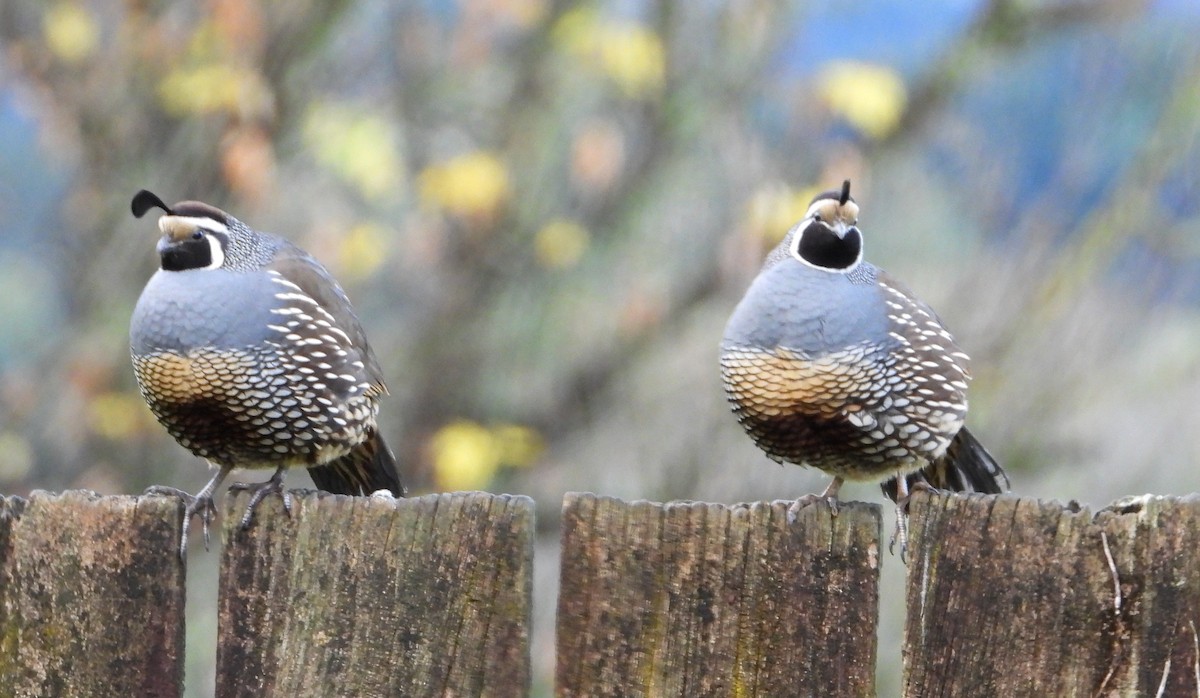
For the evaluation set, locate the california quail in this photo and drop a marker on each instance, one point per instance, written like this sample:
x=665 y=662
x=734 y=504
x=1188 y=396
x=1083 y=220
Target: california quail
x=248 y=352
x=830 y=362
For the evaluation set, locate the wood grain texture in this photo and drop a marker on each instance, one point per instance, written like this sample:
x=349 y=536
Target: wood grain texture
x=1019 y=597
x=359 y=596
x=91 y=596
x=693 y=599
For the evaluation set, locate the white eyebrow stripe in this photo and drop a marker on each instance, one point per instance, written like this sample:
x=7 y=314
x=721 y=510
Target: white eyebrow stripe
x=204 y=222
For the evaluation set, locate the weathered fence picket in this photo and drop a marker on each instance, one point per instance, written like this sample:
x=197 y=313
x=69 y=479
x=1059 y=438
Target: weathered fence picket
x=362 y=596
x=91 y=596
x=431 y=596
x=1019 y=597
x=692 y=599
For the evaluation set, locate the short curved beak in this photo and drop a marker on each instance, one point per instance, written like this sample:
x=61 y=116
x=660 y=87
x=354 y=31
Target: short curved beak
x=840 y=229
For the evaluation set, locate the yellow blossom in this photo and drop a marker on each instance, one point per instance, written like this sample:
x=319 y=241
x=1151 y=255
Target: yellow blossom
x=464 y=456
x=872 y=98
x=775 y=208
x=474 y=184
x=361 y=252
x=518 y=446
x=16 y=456
x=213 y=87
x=560 y=244
x=359 y=146
x=633 y=57
x=116 y=415
x=628 y=53
x=70 y=31
x=468 y=455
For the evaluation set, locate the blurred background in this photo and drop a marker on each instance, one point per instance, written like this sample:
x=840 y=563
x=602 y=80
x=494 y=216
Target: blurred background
x=545 y=210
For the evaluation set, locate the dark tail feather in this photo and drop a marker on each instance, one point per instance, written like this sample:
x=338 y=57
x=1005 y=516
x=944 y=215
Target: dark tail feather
x=368 y=468
x=966 y=467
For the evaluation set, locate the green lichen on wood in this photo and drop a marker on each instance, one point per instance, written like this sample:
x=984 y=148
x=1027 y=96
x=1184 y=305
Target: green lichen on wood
x=93 y=597
x=1012 y=596
x=703 y=599
x=374 y=596
x=10 y=616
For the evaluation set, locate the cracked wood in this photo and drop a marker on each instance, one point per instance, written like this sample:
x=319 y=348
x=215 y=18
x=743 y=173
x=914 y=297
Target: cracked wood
x=694 y=599
x=91 y=596
x=375 y=596
x=1020 y=597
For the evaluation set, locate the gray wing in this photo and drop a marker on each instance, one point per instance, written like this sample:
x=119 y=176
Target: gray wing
x=312 y=279
x=930 y=361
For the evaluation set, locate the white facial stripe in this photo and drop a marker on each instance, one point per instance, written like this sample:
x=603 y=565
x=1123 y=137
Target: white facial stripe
x=166 y=223
x=218 y=253
x=794 y=248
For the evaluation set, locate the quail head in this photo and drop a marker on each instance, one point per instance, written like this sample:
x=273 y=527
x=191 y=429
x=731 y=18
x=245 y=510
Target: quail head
x=249 y=353
x=830 y=362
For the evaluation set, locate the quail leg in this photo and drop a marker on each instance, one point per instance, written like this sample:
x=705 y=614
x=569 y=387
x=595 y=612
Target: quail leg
x=903 y=494
x=201 y=504
x=830 y=496
x=259 y=492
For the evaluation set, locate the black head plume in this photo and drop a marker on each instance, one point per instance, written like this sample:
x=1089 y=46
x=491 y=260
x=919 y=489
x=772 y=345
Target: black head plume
x=845 y=196
x=144 y=201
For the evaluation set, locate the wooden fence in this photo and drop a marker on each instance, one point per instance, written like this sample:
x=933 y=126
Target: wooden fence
x=432 y=596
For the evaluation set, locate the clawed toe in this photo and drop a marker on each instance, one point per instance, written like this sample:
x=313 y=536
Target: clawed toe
x=919 y=486
x=167 y=492
x=201 y=505
x=900 y=533
x=206 y=508
x=793 y=510
x=260 y=491
x=904 y=492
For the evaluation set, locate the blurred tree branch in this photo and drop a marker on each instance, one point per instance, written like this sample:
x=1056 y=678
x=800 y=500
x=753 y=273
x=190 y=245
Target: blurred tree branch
x=457 y=80
x=1000 y=26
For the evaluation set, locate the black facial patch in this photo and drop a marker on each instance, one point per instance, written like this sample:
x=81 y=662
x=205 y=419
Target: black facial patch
x=821 y=248
x=187 y=254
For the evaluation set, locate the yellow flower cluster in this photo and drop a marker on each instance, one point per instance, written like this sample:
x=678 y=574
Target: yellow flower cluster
x=871 y=97
x=209 y=88
x=560 y=244
x=117 y=415
x=361 y=252
x=629 y=54
x=471 y=185
x=70 y=31
x=775 y=208
x=359 y=146
x=468 y=455
x=210 y=79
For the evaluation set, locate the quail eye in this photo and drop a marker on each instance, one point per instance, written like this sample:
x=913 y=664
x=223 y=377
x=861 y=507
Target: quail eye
x=816 y=217
x=197 y=234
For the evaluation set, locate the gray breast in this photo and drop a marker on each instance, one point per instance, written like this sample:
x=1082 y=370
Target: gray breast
x=809 y=310
x=216 y=308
